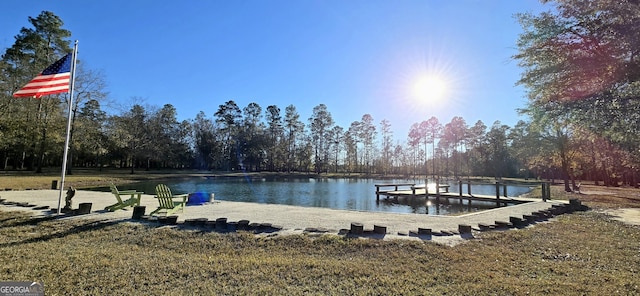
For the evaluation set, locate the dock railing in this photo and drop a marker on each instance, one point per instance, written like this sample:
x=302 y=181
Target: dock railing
x=397 y=186
x=500 y=190
x=426 y=188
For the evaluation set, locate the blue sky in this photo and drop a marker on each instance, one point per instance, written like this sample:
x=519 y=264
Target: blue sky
x=356 y=57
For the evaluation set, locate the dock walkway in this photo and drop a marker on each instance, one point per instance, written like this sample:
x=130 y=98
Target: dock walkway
x=411 y=190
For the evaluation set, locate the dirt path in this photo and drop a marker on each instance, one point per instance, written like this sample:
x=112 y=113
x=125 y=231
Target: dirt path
x=628 y=215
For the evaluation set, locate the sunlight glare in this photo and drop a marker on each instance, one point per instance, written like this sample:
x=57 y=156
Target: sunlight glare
x=429 y=88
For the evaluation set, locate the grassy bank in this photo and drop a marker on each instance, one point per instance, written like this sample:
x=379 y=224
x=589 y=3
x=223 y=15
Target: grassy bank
x=86 y=178
x=584 y=253
x=581 y=253
x=93 y=178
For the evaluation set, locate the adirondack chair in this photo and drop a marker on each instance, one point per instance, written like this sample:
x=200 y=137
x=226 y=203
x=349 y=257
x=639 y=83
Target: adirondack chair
x=167 y=202
x=133 y=200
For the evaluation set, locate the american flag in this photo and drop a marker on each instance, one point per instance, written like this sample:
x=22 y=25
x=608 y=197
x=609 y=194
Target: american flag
x=54 y=79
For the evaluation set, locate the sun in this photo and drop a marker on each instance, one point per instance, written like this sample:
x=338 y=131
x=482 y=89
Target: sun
x=429 y=88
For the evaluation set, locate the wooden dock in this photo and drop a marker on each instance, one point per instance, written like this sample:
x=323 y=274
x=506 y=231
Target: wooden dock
x=411 y=190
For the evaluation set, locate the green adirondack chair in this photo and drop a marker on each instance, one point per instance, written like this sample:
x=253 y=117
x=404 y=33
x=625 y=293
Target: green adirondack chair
x=168 y=202
x=133 y=200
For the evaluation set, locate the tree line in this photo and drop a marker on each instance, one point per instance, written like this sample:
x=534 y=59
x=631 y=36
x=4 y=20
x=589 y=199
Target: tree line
x=589 y=132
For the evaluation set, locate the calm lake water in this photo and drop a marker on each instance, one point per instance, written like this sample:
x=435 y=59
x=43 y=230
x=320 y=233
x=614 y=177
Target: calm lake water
x=334 y=193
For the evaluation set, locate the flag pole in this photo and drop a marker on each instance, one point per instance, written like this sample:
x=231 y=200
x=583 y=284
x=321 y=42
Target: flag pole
x=66 y=141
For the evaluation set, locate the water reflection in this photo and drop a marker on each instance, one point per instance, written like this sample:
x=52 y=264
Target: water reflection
x=346 y=194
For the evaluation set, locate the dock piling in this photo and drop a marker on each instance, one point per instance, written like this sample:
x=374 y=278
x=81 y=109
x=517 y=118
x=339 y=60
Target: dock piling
x=546 y=191
x=498 y=194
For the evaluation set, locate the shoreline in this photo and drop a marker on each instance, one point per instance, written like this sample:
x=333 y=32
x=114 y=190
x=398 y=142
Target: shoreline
x=291 y=219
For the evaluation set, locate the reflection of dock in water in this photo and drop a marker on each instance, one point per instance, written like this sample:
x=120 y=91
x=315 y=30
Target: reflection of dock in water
x=413 y=191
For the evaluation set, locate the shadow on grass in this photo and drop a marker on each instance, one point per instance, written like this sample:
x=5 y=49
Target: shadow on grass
x=424 y=237
x=85 y=226
x=22 y=222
